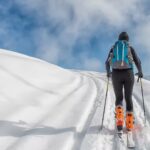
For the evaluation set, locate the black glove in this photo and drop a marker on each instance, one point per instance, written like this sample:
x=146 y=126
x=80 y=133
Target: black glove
x=140 y=74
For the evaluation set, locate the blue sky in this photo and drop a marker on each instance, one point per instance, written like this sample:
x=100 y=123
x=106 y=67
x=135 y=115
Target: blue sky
x=74 y=34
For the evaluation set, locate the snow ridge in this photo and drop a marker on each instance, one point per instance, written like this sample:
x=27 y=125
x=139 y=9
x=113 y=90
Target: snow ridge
x=45 y=107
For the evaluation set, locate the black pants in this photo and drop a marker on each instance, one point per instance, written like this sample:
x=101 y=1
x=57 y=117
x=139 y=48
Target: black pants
x=123 y=79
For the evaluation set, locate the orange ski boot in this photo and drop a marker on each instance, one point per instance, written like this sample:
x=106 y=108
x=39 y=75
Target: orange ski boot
x=129 y=121
x=119 y=117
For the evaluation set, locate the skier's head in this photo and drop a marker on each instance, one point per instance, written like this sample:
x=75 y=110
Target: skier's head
x=123 y=36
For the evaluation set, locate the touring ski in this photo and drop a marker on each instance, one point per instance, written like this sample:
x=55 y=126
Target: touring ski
x=120 y=133
x=130 y=140
x=120 y=143
x=123 y=142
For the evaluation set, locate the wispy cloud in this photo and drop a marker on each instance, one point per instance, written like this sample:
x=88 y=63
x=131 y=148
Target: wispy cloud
x=143 y=34
x=60 y=24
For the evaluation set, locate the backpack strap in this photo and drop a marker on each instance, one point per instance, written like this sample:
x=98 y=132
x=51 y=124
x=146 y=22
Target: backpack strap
x=117 y=53
x=123 y=53
x=130 y=56
x=115 y=45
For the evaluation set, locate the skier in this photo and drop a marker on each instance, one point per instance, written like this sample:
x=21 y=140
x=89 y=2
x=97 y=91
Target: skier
x=121 y=58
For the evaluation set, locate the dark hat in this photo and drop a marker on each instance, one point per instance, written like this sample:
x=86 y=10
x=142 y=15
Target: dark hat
x=123 y=36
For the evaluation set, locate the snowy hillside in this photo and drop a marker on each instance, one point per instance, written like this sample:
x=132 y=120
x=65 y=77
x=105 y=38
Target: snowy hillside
x=45 y=107
x=147 y=77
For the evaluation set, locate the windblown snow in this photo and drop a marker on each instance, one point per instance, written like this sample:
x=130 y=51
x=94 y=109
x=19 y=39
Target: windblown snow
x=45 y=107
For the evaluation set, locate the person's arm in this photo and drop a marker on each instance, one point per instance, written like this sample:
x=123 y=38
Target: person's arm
x=137 y=62
x=107 y=63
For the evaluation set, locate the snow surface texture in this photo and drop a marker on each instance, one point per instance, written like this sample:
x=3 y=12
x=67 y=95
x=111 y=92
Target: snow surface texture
x=45 y=107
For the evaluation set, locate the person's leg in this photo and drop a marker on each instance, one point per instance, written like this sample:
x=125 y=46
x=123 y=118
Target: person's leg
x=128 y=87
x=118 y=89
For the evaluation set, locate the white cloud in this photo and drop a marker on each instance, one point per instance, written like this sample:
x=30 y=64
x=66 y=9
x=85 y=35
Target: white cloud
x=80 y=20
x=47 y=46
x=143 y=35
x=142 y=40
x=92 y=64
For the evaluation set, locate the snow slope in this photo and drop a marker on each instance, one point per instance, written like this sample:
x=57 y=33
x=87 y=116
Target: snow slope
x=106 y=139
x=147 y=77
x=45 y=107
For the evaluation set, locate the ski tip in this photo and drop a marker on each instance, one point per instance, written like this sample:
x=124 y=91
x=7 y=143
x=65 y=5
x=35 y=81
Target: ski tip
x=132 y=147
x=130 y=140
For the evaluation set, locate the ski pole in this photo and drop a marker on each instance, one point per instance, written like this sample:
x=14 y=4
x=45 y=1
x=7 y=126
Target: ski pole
x=105 y=104
x=143 y=101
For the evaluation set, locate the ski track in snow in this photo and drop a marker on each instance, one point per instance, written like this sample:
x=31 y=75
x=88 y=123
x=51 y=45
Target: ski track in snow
x=106 y=139
x=45 y=107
